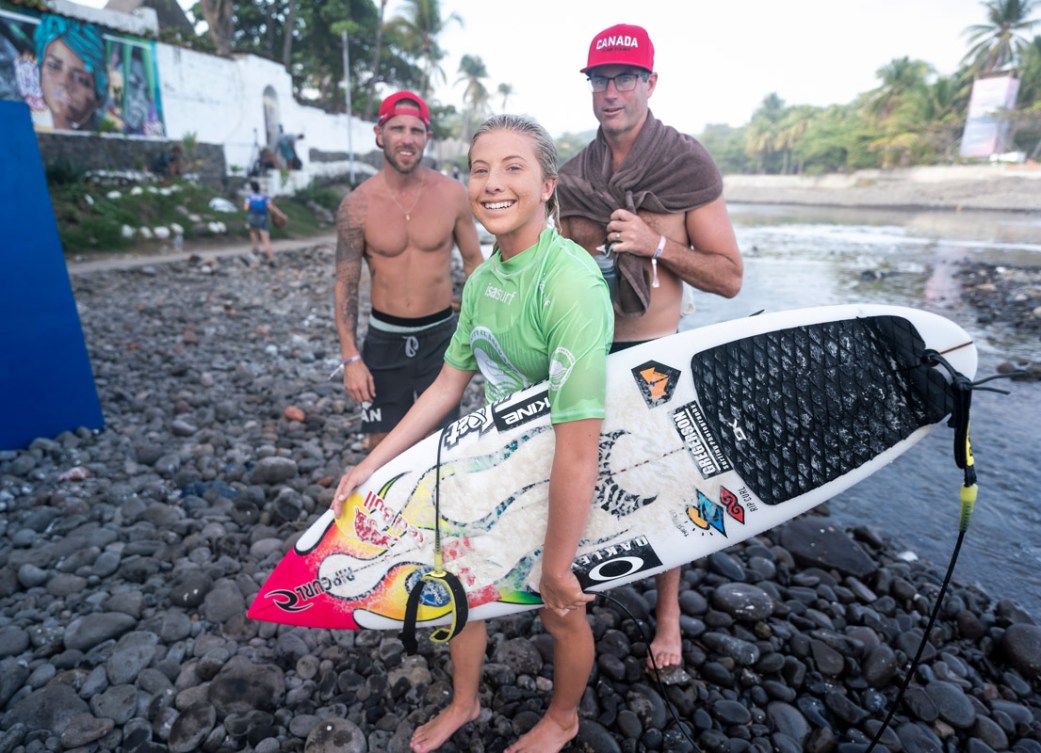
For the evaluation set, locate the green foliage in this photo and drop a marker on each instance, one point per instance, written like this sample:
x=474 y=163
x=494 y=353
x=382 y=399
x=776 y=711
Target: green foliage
x=571 y=144
x=321 y=195
x=726 y=144
x=64 y=172
x=91 y=222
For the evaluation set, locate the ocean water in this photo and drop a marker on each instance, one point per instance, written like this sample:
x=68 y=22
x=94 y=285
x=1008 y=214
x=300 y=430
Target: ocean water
x=808 y=256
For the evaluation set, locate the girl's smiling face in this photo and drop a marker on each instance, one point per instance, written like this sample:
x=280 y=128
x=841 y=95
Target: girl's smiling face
x=508 y=191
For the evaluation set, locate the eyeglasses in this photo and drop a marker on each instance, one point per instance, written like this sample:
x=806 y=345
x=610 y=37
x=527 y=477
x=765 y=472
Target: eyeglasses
x=623 y=82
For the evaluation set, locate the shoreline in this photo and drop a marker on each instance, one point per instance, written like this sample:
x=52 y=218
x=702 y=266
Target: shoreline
x=994 y=188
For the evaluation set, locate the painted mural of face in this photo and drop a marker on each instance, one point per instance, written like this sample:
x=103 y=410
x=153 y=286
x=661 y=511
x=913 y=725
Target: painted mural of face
x=68 y=88
x=137 y=102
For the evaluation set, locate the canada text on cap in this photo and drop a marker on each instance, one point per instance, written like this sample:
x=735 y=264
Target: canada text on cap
x=404 y=103
x=622 y=44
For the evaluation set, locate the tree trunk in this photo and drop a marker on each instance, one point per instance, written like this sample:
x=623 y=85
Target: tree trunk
x=375 y=64
x=287 y=39
x=220 y=18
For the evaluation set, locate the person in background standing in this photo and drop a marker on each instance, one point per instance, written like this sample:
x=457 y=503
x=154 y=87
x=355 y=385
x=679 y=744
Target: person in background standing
x=654 y=198
x=403 y=223
x=259 y=208
x=287 y=150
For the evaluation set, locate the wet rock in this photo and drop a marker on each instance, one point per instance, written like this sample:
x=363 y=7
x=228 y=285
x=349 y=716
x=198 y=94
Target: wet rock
x=1022 y=645
x=336 y=736
x=818 y=542
x=743 y=601
x=242 y=686
x=84 y=633
x=51 y=708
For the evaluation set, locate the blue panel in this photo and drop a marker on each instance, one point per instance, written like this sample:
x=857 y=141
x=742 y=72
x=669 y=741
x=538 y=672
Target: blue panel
x=46 y=384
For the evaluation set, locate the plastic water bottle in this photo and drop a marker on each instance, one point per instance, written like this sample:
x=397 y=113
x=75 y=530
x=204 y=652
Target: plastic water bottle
x=605 y=261
x=178 y=242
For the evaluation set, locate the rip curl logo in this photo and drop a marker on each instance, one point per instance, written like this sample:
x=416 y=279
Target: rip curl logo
x=619 y=41
x=656 y=382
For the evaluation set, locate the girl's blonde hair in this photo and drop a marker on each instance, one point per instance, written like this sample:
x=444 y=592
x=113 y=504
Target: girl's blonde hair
x=545 y=150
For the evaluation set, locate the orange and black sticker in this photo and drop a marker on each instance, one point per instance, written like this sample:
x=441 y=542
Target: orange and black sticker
x=656 y=382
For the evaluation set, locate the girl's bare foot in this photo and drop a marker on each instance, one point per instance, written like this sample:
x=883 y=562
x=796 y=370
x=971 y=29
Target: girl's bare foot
x=434 y=733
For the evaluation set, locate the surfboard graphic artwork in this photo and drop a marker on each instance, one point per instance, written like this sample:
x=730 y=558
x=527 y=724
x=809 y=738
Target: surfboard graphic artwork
x=711 y=436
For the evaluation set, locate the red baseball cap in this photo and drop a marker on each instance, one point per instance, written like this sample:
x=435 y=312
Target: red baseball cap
x=622 y=44
x=404 y=103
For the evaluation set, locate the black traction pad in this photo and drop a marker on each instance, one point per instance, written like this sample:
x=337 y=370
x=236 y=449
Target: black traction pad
x=796 y=408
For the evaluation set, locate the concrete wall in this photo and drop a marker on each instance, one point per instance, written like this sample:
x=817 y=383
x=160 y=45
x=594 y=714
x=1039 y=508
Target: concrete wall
x=222 y=101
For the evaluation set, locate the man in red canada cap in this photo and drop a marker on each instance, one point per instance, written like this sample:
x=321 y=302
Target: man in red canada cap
x=403 y=222
x=653 y=198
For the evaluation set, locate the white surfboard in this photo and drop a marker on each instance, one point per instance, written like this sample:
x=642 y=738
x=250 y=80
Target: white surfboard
x=712 y=436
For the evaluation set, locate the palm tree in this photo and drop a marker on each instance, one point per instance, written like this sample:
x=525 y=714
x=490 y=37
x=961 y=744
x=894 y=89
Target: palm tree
x=1000 y=42
x=419 y=26
x=901 y=78
x=761 y=134
x=475 y=95
x=506 y=90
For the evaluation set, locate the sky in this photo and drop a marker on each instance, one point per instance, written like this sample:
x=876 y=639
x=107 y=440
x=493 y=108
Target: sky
x=716 y=59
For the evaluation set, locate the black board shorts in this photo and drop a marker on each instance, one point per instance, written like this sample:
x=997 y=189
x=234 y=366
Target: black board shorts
x=402 y=364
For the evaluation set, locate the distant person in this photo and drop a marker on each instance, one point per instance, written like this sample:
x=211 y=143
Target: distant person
x=73 y=73
x=287 y=150
x=170 y=163
x=456 y=173
x=266 y=161
x=548 y=319
x=259 y=208
x=654 y=197
x=403 y=223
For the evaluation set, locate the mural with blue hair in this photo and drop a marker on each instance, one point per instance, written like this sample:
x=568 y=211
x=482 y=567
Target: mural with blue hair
x=78 y=76
x=73 y=72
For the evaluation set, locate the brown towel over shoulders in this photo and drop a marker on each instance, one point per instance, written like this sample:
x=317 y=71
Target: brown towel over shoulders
x=666 y=172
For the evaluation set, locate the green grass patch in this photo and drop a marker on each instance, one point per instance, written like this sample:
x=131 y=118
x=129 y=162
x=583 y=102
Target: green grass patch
x=91 y=217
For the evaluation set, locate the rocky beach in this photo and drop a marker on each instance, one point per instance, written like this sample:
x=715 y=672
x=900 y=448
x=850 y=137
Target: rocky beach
x=130 y=555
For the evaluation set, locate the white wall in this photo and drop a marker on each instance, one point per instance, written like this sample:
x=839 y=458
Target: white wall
x=221 y=102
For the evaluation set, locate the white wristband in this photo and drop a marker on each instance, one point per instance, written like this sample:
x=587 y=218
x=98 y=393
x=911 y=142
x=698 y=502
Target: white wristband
x=654 y=261
x=350 y=359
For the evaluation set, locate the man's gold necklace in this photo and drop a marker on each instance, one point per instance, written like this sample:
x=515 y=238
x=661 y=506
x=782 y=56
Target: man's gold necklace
x=408 y=212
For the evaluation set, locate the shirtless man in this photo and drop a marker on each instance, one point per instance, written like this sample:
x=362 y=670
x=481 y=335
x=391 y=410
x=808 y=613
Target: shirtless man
x=403 y=222
x=685 y=237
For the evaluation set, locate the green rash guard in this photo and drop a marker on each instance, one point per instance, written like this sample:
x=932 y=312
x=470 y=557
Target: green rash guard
x=543 y=314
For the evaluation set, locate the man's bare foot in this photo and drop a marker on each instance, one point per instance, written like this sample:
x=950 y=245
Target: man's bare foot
x=667 y=646
x=548 y=736
x=434 y=733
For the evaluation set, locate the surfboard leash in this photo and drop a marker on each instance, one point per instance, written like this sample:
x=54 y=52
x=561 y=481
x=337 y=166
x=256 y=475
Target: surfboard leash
x=459 y=609
x=657 y=671
x=961 y=388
